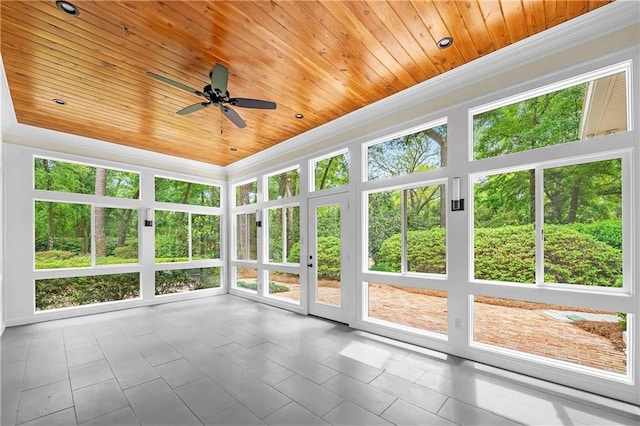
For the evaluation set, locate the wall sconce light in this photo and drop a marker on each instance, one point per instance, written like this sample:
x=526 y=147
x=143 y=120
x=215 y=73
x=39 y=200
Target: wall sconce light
x=148 y=220
x=258 y=218
x=457 y=203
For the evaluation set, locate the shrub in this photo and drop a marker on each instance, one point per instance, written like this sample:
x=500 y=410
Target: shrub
x=273 y=287
x=606 y=231
x=328 y=260
x=425 y=252
x=508 y=254
x=126 y=252
x=64 y=292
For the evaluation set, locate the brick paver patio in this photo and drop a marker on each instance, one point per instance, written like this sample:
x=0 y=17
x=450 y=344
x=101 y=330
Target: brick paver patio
x=525 y=330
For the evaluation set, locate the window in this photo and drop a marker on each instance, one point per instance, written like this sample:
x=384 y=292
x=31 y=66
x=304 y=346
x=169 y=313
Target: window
x=577 y=335
x=183 y=192
x=581 y=225
x=61 y=176
x=65 y=237
x=183 y=236
x=284 y=185
x=284 y=234
x=330 y=172
x=55 y=293
x=186 y=280
x=406 y=231
x=591 y=108
x=418 y=151
x=247 y=193
x=247 y=279
x=284 y=286
x=417 y=308
x=246 y=236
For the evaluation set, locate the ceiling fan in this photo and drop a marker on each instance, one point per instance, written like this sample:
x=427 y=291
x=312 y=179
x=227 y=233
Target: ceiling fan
x=217 y=94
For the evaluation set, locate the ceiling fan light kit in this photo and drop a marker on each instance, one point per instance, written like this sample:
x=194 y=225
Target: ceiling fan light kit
x=217 y=94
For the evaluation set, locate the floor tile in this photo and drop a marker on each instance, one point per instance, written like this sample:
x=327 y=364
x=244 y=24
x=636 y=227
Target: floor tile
x=88 y=374
x=44 y=400
x=84 y=355
x=155 y=350
x=151 y=398
x=237 y=354
x=294 y=414
x=349 y=414
x=402 y=413
x=205 y=397
x=310 y=369
x=122 y=417
x=43 y=373
x=180 y=415
x=273 y=352
x=14 y=353
x=99 y=399
x=268 y=371
x=79 y=341
x=66 y=417
x=366 y=396
x=132 y=370
x=179 y=372
x=313 y=397
x=238 y=415
x=363 y=372
x=257 y=396
x=464 y=414
x=425 y=398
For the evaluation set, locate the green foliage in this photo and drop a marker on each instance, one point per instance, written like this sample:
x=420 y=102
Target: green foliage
x=328 y=260
x=56 y=259
x=126 y=252
x=574 y=258
x=332 y=172
x=622 y=320
x=420 y=151
x=181 y=192
x=273 y=287
x=75 y=291
x=606 y=231
x=426 y=252
x=545 y=120
x=181 y=280
x=508 y=254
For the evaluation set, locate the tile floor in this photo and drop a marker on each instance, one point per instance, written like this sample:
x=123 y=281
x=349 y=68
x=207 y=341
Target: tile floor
x=228 y=361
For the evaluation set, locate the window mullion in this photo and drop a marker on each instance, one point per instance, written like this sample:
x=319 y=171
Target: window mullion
x=403 y=231
x=539 y=224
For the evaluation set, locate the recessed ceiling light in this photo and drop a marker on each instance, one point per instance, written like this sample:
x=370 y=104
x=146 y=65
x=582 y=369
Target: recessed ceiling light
x=299 y=116
x=67 y=8
x=60 y=101
x=443 y=43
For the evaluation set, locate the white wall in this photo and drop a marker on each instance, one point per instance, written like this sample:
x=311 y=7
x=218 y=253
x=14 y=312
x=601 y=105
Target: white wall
x=3 y=93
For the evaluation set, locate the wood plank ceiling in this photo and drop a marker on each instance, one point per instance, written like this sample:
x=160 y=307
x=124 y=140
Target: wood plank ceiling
x=322 y=59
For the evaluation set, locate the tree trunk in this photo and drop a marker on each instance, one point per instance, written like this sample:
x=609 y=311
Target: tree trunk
x=100 y=214
x=323 y=181
x=575 y=203
x=125 y=223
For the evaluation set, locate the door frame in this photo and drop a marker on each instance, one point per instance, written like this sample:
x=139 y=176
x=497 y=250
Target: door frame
x=346 y=312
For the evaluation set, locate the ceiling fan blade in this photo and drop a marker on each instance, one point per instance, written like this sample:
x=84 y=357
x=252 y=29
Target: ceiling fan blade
x=219 y=79
x=233 y=116
x=252 y=103
x=193 y=108
x=174 y=83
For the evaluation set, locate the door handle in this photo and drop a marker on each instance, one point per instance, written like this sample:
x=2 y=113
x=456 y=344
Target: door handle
x=310 y=265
